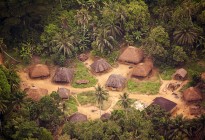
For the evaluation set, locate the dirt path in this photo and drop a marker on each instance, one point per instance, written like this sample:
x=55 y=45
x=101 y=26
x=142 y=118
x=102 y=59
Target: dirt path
x=92 y=111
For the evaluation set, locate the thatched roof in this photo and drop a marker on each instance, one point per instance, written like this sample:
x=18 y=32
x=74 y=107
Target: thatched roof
x=105 y=116
x=78 y=117
x=83 y=57
x=100 y=66
x=180 y=74
x=132 y=55
x=36 y=93
x=39 y=70
x=203 y=76
x=63 y=74
x=142 y=69
x=192 y=94
x=63 y=93
x=116 y=81
x=164 y=103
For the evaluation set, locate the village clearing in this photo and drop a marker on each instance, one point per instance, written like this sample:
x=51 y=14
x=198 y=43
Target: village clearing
x=92 y=111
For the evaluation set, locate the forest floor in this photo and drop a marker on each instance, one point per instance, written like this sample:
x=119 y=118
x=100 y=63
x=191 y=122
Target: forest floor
x=93 y=112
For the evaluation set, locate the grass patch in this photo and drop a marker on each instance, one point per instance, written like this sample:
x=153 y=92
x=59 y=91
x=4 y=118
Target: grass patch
x=71 y=105
x=143 y=87
x=167 y=73
x=83 y=73
x=87 y=98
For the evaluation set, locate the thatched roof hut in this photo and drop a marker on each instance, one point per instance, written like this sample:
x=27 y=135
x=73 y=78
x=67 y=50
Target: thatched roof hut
x=100 y=65
x=64 y=93
x=203 y=76
x=83 y=57
x=77 y=117
x=142 y=69
x=116 y=82
x=64 y=75
x=165 y=104
x=180 y=74
x=35 y=93
x=131 y=55
x=195 y=110
x=105 y=116
x=39 y=70
x=192 y=94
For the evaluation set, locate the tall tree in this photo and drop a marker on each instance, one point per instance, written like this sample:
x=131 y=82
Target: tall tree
x=64 y=42
x=125 y=101
x=83 y=18
x=101 y=95
x=186 y=34
x=104 y=41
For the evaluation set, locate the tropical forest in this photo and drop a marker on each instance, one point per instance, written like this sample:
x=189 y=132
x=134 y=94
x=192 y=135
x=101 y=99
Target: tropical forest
x=102 y=69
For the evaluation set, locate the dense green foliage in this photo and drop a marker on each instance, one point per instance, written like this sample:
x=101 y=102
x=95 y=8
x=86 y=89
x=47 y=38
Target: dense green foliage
x=167 y=31
x=171 y=32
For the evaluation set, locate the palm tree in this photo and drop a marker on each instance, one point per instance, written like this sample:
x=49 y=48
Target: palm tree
x=114 y=29
x=125 y=101
x=64 y=43
x=179 y=128
x=101 y=95
x=186 y=35
x=3 y=106
x=200 y=126
x=83 y=18
x=104 y=41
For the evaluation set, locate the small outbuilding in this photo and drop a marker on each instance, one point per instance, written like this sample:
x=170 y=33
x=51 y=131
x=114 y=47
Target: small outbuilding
x=35 y=93
x=116 y=82
x=203 y=76
x=192 y=94
x=132 y=55
x=165 y=104
x=100 y=65
x=39 y=71
x=63 y=75
x=142 y=70
x=180 y=74
x=105 y=116
x=83 y=57
x=77 y=117
x=64 y=93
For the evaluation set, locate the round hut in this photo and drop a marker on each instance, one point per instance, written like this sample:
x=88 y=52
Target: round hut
x=192 y=94
x=116 y=82
x=100 y=66
x=64 y=93
x=77 y=117
x=180 y=74
x=132 y=55
x=203 y=76
x=142 y=69
x=38 y=71
x=63 y=75
x=105 y=116
x=35 y=93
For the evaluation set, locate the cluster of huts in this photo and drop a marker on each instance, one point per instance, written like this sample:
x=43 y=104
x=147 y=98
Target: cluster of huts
x=142 y=67
x=131 y=55
x=192 y=95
